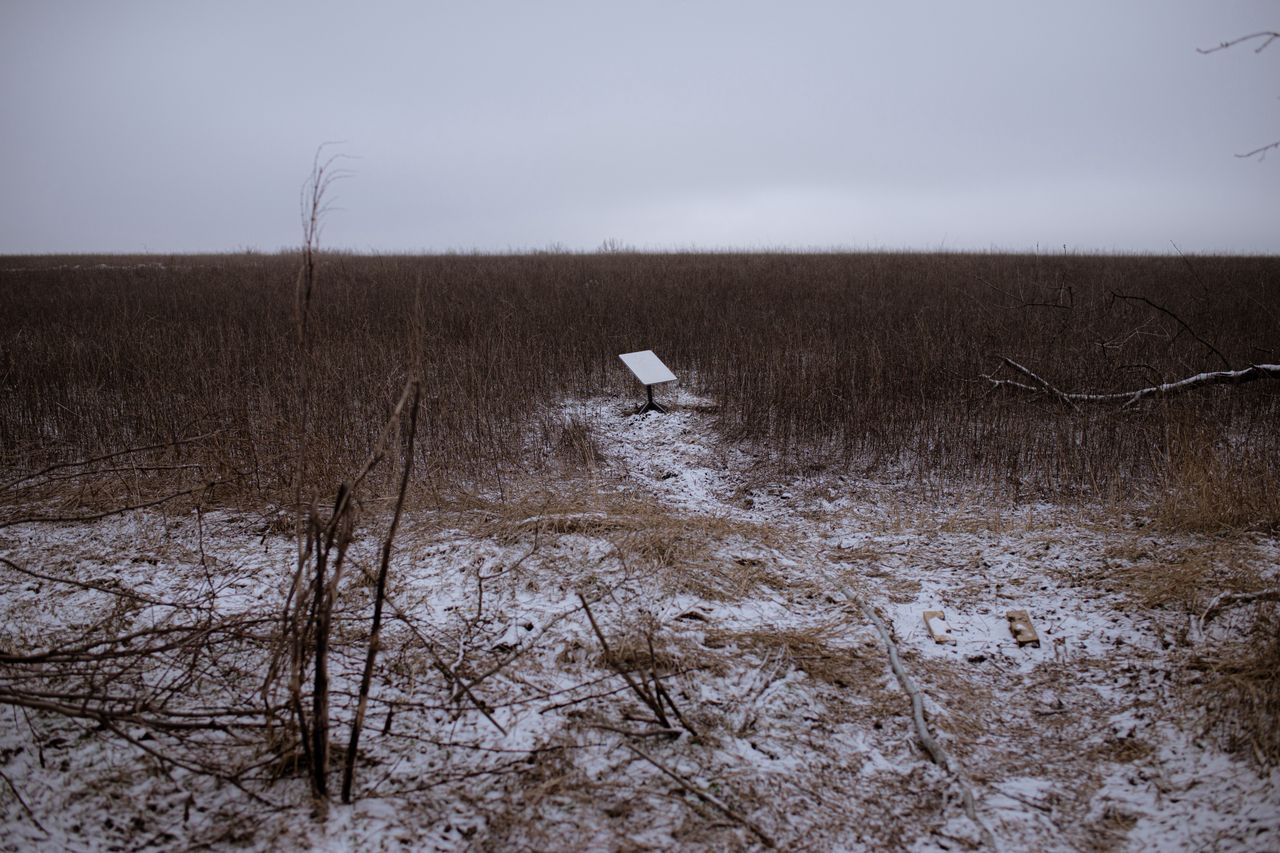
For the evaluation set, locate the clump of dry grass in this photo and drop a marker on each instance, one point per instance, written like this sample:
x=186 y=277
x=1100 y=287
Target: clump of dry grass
x=583 y=511
x=1231 y=677
x=1210 y=487
x=810 y=650
x=1240 y=689
x=640 y=643
x=709 y=556
x=578 y=447
x=703 y=555
x=1184 y=579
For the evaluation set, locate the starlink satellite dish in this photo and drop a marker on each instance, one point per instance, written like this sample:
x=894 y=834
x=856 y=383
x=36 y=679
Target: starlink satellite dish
x=650 y=370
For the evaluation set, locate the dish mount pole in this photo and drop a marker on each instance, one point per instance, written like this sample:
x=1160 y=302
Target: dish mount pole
x=650 y=405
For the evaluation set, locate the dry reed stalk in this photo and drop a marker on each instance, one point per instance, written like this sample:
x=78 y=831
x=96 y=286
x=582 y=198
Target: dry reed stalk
x=375 y=633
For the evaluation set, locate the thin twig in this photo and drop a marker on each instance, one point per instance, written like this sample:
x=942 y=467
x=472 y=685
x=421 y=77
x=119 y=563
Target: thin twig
x=707 y=798
x=98 y=516
x=439 y=664
x=1260 y=150
x=26 y=808
x=1177 y=319
x=1267 y=35
x=375 y=634
x=641 y=691
x=106 y=456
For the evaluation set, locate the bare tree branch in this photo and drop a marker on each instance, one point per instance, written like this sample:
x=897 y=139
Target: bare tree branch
x=98 y=516
x=1222 y=377
x=1233 y=599
x=1268 y=37
x=1041 y=384
x=1259 y=151
x=164 y=445
x=1177 y=319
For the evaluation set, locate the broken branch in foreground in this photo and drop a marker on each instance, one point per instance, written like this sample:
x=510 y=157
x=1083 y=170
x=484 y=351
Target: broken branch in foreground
x=1226 y=600
x=937 y=754
x=1219 y=377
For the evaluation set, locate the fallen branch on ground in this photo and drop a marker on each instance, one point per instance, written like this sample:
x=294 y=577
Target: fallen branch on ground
x=1220 y=377
x=1226 y=600
x=937 y=754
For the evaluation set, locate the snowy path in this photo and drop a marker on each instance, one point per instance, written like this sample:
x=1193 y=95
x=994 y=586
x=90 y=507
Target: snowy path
x=803 y=734
x=1020 y=716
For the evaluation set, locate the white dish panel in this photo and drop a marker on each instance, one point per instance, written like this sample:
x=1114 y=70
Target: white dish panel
x=647 y=367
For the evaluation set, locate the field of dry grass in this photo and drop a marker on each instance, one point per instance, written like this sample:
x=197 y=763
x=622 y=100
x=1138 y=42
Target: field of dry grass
x=700 y=630
x=870 y=363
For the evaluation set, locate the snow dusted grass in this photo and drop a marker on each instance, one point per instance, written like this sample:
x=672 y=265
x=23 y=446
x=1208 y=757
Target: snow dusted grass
x=732 y=588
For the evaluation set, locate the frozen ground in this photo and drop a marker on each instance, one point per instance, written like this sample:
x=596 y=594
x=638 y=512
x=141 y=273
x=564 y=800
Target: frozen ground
x=747 y=600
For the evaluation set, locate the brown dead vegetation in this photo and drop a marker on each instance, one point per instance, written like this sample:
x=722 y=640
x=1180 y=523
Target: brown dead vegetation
x=1240 y=691
x=176 y=387
x=1230 y=677
x=684 y=552
x=810 y=650
x=867 y=362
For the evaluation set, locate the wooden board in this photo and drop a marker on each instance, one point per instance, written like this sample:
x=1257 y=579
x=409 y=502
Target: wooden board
x=1022 y=629
x=936 y=622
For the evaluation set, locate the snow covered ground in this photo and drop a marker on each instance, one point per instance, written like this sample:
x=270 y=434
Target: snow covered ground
x=747 y=600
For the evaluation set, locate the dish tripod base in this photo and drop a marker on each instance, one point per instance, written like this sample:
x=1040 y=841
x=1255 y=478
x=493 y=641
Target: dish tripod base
x=649 y=405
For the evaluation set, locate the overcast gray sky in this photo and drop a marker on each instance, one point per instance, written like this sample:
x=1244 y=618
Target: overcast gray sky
x=186 y=126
